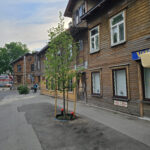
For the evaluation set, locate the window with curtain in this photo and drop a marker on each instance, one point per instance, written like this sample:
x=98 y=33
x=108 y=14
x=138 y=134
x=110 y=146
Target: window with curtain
x=120 y=83
x=147 y=82
x=95 y=83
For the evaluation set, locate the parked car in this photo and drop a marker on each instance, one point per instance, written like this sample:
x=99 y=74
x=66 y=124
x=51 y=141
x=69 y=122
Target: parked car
x=6 y=81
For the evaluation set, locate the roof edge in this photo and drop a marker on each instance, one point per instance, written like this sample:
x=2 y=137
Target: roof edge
x=67 y=13
x=43 y=49
x=19 y=58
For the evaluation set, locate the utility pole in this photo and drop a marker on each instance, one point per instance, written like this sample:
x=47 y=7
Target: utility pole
x=24 y=74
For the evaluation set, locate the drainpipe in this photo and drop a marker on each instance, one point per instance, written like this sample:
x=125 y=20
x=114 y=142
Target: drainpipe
x=24 y=77
x=140 y=90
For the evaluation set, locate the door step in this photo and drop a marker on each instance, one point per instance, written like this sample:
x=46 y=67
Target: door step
x=145 y=118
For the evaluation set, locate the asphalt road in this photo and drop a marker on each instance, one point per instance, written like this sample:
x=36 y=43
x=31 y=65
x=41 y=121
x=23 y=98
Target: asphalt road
x=27 y=123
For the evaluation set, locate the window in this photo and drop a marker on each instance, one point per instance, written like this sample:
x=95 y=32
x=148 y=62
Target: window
x=117 y=24
x=94 y=40
x=29 y=76
x=47 y=84
x=38 y=65
x=79 y=12
x=120 y=83
x=70 y=86
x=82 y=10
x=32 y=78
x=32 y=67
x=70 y=50
x=96 y=83
x=59 y=53
x=147 y=82
x=80 y=45
x=77 y=17
x=19 y=79
x=19 y=68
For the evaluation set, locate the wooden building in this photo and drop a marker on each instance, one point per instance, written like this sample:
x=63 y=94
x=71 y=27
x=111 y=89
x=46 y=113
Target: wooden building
x=45 y=89
x=26 y=70
x=113 y=35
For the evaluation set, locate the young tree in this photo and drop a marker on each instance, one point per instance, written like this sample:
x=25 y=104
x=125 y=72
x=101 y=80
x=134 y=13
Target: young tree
x=60 y=60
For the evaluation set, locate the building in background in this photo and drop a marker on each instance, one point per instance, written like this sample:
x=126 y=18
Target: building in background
x=26 y=70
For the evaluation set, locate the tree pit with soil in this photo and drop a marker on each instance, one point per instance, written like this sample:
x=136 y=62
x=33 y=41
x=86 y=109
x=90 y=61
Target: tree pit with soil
x=66 y=116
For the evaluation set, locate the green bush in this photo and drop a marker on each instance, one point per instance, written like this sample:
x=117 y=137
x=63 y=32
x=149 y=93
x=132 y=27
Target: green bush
x=23 y=89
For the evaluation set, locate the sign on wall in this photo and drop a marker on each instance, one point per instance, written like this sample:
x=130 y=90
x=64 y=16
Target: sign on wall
x=137 y=54
x=120 y=103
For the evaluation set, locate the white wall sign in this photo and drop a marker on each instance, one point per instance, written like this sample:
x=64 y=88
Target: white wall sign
x=121 y=103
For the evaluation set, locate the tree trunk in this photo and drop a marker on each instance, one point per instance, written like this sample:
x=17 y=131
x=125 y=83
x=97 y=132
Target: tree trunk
x=64 y=102
x=67 y=100
x=75 y=101
x=55 y=102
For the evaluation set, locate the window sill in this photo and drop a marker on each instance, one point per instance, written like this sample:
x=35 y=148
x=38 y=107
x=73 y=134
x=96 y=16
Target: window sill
x=117 y=44
x=96 y=95
x=121 y=99
x=70 y=92
x=146 y=100
x=95 y=52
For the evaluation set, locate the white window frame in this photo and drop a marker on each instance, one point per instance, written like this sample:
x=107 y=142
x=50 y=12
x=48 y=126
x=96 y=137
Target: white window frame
x=94 y=36
x=115 y=81
x=117 y=25
x=97 y=93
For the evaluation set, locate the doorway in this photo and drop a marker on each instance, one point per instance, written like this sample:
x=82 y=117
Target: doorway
x=81 y=89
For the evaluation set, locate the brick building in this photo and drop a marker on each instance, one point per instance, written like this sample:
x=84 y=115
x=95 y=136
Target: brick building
x=112 y=36
x=26 y=69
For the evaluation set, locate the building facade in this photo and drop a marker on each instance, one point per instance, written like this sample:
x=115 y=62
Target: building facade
x=26 y=70
x=112 y=36
x=47 y=89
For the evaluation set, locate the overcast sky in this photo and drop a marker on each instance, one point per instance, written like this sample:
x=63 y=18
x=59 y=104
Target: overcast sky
x=28 y=21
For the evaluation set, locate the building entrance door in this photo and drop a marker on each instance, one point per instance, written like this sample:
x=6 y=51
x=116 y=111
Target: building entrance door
x=81 y=89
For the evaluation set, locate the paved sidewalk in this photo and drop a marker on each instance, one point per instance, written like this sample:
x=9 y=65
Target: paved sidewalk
x=126 y=124
x=17 y=133
x=4 y=89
